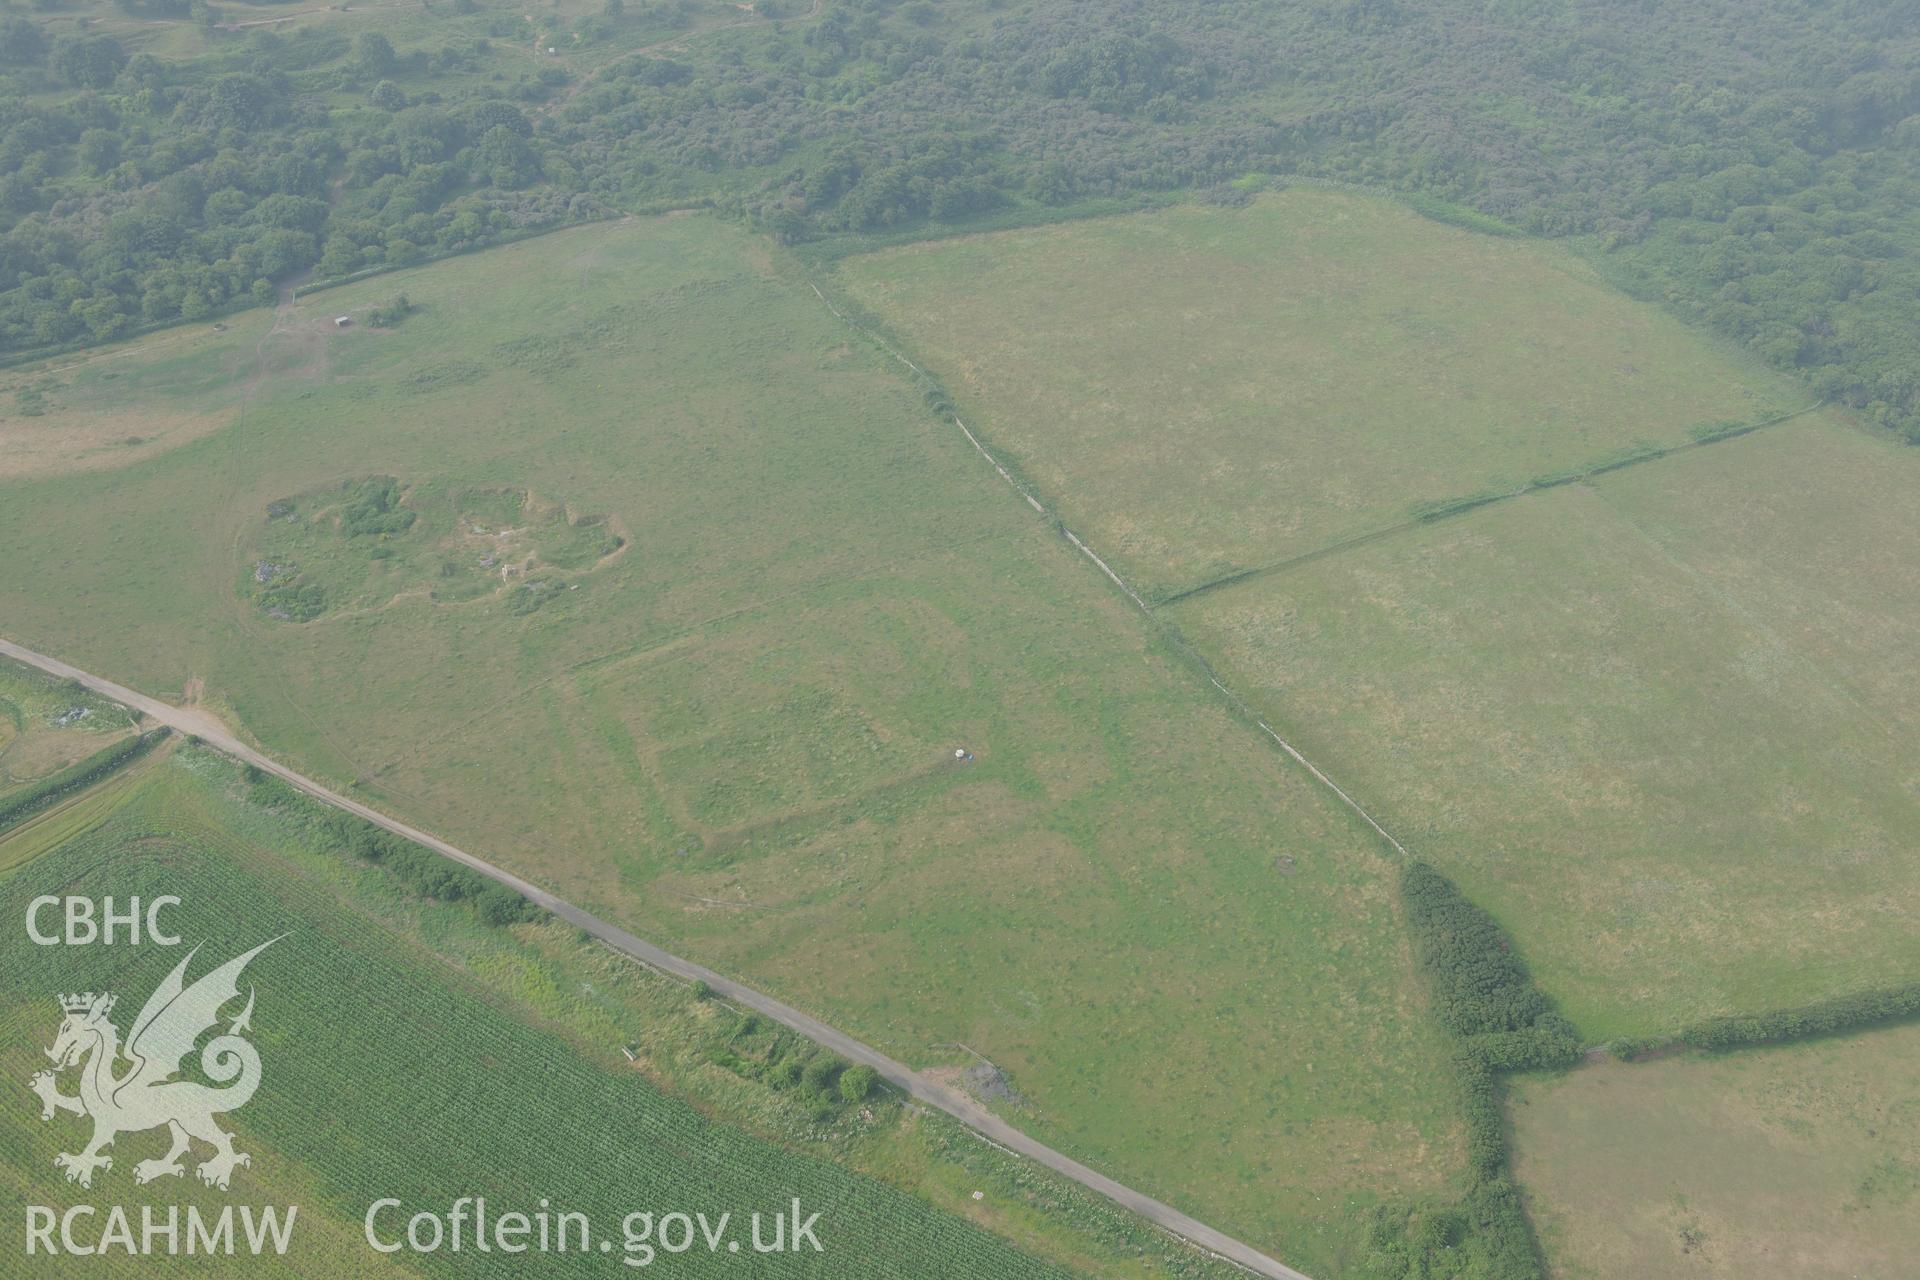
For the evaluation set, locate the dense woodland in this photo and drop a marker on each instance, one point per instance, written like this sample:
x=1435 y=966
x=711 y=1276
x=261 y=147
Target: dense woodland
x=1753 y=163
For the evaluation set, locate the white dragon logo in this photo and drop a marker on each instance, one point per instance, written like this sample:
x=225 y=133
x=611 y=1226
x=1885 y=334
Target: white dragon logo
x=146 y=1095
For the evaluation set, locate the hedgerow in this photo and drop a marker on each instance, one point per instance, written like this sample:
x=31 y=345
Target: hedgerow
x=1482 y=992
x=481 y=1086
x=1498 y=1021
x=25 y=803
x=421 y=869
x=1825 y=1017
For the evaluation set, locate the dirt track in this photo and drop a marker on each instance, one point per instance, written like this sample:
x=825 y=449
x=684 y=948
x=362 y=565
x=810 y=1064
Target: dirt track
x=216 y=734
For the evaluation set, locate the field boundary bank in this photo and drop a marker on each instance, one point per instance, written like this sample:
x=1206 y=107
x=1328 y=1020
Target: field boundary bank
x=1148 y=611
x=987 y=1125
x=1455 y=507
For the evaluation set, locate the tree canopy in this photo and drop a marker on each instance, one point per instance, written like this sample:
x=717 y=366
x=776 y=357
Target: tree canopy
x=1754 y=164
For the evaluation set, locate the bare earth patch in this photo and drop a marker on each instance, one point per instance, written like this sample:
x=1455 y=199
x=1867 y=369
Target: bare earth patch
x=64 y=443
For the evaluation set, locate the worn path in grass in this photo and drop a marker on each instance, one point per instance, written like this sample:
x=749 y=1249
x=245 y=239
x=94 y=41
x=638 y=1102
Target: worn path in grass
x=211 y=731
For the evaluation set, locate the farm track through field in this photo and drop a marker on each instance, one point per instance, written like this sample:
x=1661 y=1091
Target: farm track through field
x=214 y=733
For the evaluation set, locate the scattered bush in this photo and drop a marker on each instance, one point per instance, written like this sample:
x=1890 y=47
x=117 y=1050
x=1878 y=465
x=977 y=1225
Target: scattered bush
x=857 y=1082
x=373 y=506
x=528 y=596
x=293 y=598
x=391 y=314
x=498 y=905
x=1628 y=1048
x=425 y=872
x=268 y=792
x=821 y=1071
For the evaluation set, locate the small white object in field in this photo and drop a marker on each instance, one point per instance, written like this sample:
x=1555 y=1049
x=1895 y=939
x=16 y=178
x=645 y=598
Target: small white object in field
x=979 y=1195
x=959 y=753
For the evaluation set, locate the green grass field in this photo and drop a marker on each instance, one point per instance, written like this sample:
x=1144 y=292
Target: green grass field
x=1797 y=1161
x=46 y=725
x=1653 y=719
x=1658 y=724
x=390 y=1072
x=737 y=734
x=1204 y=391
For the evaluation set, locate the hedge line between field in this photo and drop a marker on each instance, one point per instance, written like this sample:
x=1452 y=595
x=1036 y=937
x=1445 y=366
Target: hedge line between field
x=421 y=869
x=1840 y=1014
x=22 y=805
x=1486 y=1002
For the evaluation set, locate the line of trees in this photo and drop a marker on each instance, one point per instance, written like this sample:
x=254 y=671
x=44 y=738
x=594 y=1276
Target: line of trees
x=1803 y=1022
x=425 y=872
x=1751 y=163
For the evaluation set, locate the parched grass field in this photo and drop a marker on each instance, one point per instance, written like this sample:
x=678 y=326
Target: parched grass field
x=1802 y=1160
x=1662 y=724
x=1203 y=391
x=737 y=734
x=389 y=1072
x=104 y=409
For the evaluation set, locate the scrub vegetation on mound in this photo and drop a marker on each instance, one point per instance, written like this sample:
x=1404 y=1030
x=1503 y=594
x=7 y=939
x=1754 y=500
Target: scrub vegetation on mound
x=368 y=540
